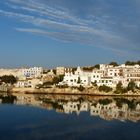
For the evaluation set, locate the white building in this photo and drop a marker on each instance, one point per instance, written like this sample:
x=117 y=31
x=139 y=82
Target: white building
x=28 y=83
x=76 y=106
x=80 y=77
x=133 y=74
x=60 y=70
x=71 y=107
x=34 y=72
x=96 y=75
x=106 y=75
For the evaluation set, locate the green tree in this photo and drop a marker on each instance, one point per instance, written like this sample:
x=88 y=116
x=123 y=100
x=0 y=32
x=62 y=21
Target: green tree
x=119 y=86
x=74 y=69
x=94 y=83
x=113 y=63
x=54 y=71
x=8 y=79
x=79 y=80
x=131 y=86
x=138 y=62
x=81 y=88
x=97 y=66
x=120 y=89
x=58 y=79
x=105 y=88
x=61 y=78
x=88 y=68
x=131 y=63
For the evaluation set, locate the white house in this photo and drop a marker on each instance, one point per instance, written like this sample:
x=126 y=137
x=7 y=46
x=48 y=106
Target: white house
x=80 y=77
x=28 y=83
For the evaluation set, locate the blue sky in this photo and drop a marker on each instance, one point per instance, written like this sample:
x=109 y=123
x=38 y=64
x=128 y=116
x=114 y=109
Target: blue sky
x=52 y=33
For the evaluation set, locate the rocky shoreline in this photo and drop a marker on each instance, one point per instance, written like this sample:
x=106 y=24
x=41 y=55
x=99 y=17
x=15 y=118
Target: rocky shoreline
x=70 y=91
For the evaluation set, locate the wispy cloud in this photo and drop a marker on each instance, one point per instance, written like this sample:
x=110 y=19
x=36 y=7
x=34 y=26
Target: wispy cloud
x=59 y=23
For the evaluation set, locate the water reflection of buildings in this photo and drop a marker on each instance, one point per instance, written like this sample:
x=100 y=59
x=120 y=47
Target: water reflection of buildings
x=107 y=112
x=26 y=99
x=108 y=109
x=75 y=107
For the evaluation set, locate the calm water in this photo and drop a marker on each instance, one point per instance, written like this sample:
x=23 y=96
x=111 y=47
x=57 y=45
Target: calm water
x=32 y=117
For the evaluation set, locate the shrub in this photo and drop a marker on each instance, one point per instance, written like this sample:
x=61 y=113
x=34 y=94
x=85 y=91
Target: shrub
x=120 y=89
x=8 y=79
x=94 y=84
x=58 y=79
x=79 y=80
x=113 y=63
x=81 y=88
x=131 y=86
x=105 y=88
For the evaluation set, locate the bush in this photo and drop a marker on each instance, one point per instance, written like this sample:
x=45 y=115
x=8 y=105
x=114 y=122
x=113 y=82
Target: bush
x=120 y=101
x=131 y=86
x=58 y=79
x=120 y=89
x=97 y=66
x=113 y=63
x=94 y=84
x=105 y=88
x=8 y=79
x=81 y=88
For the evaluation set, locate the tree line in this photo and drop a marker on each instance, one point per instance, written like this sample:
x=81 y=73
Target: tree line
x=8 y=79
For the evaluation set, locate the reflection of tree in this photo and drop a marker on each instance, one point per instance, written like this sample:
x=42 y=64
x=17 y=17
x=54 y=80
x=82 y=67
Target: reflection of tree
x=105 y=101
x=106 y=108
x=55 y=104
x=8 y=99
x=131 y=103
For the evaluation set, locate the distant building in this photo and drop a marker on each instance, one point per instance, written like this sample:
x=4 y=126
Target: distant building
x=28 y=83
x=60 y=70
x=35 y=72
x=14 y=72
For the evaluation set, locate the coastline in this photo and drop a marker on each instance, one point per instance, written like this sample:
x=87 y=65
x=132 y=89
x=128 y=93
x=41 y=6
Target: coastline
x=69 y=91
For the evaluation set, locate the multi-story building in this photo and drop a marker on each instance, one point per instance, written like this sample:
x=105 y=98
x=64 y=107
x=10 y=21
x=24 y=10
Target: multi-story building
x=34 y=72
x=80 y=77
x=133 y=74
x=106 y=75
